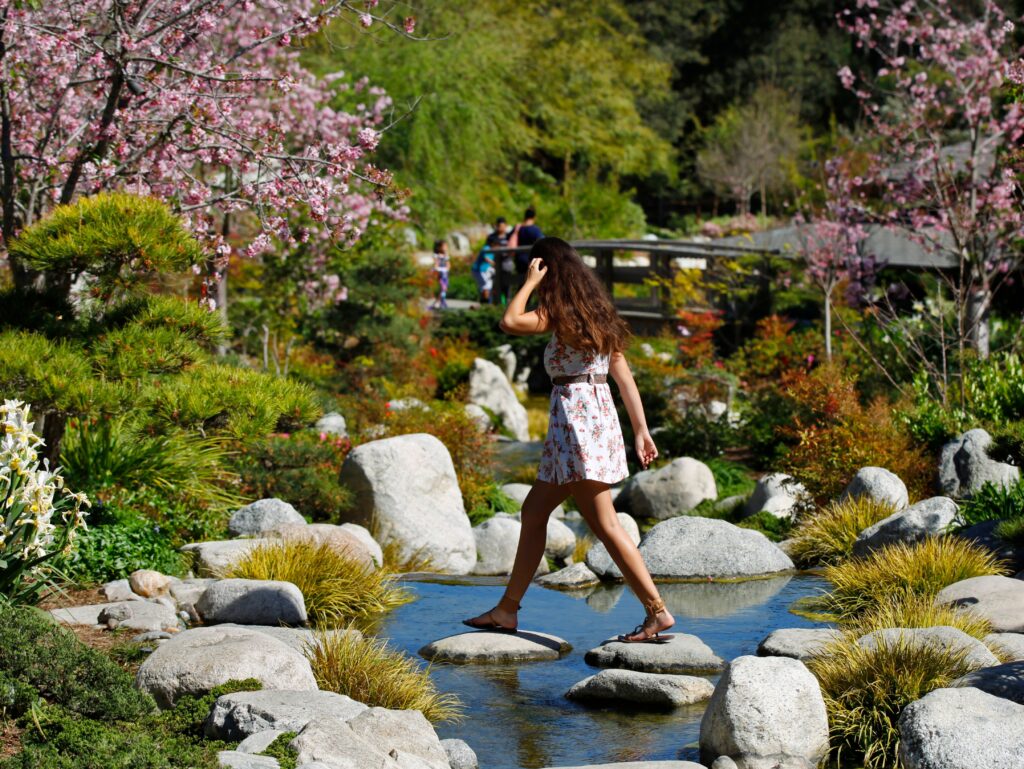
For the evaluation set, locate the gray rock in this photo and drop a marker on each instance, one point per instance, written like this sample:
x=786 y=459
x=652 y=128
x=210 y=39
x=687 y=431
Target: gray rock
x=927 y=518
x=491 y=389
x=214 y=559
x=599 y=560
x=460 y=755
x=1006 y=681
x=262 y=515
x=234 y=759
x=942 y=638
x=878 y=484
x=366 y=538
x=779 y=494
x=507 y=359
x=497 y=539
x=493 y=646
x=799 y=643
x=257 y=743
x=653 y=689
x=152 y=635
x=332 y=423
x=142 y=616
x=723 y=762
x=729 y=504
x=963 y=728
x=81 y=615
x=188 y=591
x=1000 y=600
x=480 y=417
x=197 y=660
x=407 y=404
x=297 y=638
x=518 y=492
x=561 y=541
x=406 y=732
x=243 y=714
x=1011 y=645
x=406 y=488
x=965 y=466
x=638 y=765
x=572 y=577
x=766 y=713
x=252 y=602
x=317 y=535
x=672 y=490
x=688 y=547
x=119 y=590
x=683 y=653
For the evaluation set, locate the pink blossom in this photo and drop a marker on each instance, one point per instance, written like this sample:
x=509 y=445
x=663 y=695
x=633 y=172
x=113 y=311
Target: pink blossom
x=409 y=25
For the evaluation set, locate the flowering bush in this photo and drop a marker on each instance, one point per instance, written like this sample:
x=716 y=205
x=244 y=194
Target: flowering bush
x=39 y=518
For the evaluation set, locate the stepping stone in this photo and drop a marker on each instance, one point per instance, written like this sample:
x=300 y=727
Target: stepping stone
x=682 y=653
x=1000 y=600
x=572 y=577
x=493 y=646
x=1011 y=644
x=798 y=643
x=657 y=689
x=942 y=638
x=1006 y=681
x=252 y=602
x=639 y=765
x=243 y=714
x=82 y=615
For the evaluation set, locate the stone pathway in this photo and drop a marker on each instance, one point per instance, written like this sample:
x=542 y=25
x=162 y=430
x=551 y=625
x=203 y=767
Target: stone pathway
x=487 y=646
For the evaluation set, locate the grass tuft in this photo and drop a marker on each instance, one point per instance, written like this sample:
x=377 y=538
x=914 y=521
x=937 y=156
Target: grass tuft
x=917 y=611
x=827 y=535
x=336 y=588
x=367 y=670
x=397 y=561
x=866 y=690
x=862 y=585
x=583 y=545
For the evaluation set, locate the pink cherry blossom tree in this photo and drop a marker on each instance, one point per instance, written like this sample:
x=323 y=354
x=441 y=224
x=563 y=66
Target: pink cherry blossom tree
x=938 y=130
x=203 y=103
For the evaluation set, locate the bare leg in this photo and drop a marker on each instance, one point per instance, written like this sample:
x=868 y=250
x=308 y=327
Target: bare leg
x=595 y=504
x=542 y=499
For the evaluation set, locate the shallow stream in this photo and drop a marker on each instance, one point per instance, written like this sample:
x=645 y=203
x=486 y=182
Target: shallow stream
x=516 y=714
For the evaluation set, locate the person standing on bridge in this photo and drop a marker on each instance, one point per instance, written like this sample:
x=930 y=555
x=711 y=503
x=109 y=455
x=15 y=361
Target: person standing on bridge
x=584 y=453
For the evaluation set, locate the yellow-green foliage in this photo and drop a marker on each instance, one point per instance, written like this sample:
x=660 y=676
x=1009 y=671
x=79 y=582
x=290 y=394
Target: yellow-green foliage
x=862 y=585
x=336 y=587
x=910 y=610
x=866 y=689
x=401 y=562
x=366 y=670
x=827 y=535
x=583 y=545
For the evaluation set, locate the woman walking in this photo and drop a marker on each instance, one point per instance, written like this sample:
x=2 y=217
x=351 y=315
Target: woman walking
x=442 y=265
x=584 y=452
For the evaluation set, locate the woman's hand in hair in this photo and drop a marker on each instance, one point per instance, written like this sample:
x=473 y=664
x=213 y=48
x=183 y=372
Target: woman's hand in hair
x=646 y=451
x=536 y=272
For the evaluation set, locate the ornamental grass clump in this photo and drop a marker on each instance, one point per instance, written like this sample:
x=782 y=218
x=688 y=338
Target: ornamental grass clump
x=368 y=671
x=866 y=690
x=919 y=611
x=827 y=535
x=861 y=585
x=39 y=517
x=337 y=588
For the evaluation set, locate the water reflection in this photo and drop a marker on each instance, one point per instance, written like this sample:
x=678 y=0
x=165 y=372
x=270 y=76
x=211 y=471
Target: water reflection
x=719 y=599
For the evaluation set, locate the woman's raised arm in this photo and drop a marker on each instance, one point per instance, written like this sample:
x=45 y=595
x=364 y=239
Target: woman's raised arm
x=517 y=320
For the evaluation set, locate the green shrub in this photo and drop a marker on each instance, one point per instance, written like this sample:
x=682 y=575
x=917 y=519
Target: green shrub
x=693 y=433
x=368 y=671
x=286 y=757
x=114 y=550
x=301 y=468
x=993 y=502
x=336 y=587
x=731 y=478
x=827 y=535
x=773 y=527
x=491 y=500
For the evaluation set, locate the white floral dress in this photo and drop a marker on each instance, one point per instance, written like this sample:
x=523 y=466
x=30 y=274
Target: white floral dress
x=584 y=440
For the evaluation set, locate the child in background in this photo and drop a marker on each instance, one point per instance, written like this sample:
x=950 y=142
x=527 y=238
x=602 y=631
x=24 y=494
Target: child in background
x=442 y=266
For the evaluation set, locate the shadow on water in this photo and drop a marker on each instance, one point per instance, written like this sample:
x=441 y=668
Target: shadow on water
x=517 y=715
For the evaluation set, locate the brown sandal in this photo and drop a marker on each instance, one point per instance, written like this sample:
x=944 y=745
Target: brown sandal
x=653 y=607
x=510 y=605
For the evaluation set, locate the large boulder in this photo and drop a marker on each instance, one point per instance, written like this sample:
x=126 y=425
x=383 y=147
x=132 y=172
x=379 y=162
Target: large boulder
x=195 y=661
x=779 y=494
x=371 y=545
x=652 y=689
x=299 y=638
x=338 y=538
x=1000 y=600
x=263 y=515
x=239 y=715
x=688 y=547
x=801 y=643
x=486 y=646
x=252 y=602
x=490 y=388
x=766 y=713
x=214 y=559
x=672 y=490
x=1009 y=645
x=1006 y=681
x=965 y=466
x=878 y=484
x=942 y=638
x=561 y=541
x=963 y=728
x=405 y=488
x=682 y=653
x=599 y=560
x=927 y=518
x=496 y=541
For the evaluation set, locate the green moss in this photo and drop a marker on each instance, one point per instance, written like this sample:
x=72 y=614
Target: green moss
x=279 y=749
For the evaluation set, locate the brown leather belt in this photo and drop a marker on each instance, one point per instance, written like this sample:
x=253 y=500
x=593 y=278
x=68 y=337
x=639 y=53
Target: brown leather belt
x=588 y=378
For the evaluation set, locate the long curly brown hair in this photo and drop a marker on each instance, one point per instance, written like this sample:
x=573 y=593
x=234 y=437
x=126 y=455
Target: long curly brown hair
x=577 y=307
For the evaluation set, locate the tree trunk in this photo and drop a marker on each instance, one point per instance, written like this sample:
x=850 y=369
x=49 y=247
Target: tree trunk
x=828 y=326
x=54 y=426
x=977 y=320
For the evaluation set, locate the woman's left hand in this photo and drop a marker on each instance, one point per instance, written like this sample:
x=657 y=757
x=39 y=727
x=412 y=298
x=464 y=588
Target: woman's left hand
x=646 y=451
